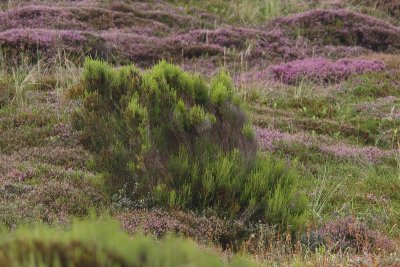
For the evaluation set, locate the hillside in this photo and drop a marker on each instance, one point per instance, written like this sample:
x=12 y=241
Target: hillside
x=237 y=133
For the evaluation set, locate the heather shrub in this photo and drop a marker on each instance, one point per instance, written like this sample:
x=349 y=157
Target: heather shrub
x=350 y=234
x=204 y=229
x=322 y=70
x=102 y=243
x=57 y=199
x=20 y=44
x=175 y=140
x=343 y=28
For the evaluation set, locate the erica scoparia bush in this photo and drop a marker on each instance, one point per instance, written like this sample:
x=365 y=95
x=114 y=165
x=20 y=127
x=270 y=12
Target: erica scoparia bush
x=183 y=143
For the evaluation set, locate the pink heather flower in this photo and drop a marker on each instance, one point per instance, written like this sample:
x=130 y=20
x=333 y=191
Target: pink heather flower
x=145 y=33
x=370 y=154
x=268 y=138
x=349 y=233
x=322 y=69
x=343 y=27
x=41 y=37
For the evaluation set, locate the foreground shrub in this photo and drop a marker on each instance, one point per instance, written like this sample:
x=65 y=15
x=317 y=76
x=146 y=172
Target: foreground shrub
x=322 y=69
x=181 y=143
x=100 y=244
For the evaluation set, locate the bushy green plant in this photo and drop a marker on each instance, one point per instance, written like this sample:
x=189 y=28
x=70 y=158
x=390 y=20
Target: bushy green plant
x=166 y=133
x=260 y=190
x=101 y=243
x=248 y=131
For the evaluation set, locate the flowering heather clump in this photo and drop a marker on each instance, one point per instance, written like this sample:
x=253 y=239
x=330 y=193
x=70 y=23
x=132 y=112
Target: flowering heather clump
x=322 y=69
x=159 y=223
x=41 y=37
x=94 y=16
x=269 y=138
x=55 y=198
x=38 y=16
x=133 y=30
x=350 y=234
x=370 y=154
x=50 y=200
x=32 y=41
x=342 y=27
x=20 y=36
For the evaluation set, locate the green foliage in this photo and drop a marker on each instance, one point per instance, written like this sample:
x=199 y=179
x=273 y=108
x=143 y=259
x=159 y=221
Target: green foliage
x=248 y=131
x=221 y=89
x=102 y=243
x=190 y=145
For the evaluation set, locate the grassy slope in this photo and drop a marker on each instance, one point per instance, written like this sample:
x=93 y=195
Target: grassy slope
x=40 y=151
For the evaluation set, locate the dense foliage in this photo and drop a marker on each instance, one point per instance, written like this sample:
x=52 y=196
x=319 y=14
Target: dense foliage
x=179 y=142
x=167 y=152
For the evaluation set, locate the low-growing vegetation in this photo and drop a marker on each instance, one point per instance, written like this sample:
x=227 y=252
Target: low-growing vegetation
x=267 y=132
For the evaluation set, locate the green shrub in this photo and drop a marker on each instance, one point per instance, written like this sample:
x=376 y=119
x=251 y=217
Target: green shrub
x=263 y=189
x=221 y=89
x=166 y=133
x=97 y=244
x=248 y=131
